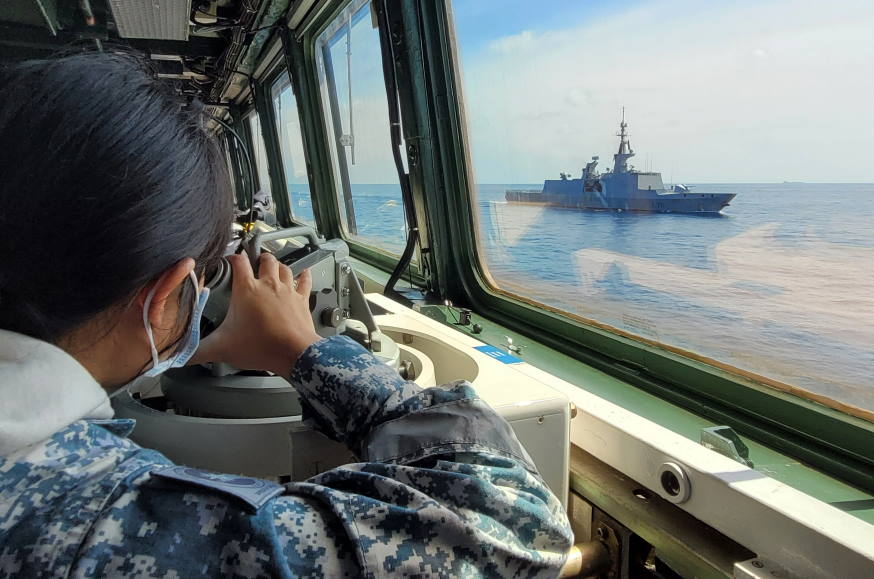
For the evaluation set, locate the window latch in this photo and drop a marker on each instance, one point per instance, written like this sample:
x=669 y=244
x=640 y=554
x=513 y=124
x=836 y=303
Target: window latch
x=725 y=441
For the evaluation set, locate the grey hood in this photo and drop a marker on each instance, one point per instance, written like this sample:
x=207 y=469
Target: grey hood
x=42 y=390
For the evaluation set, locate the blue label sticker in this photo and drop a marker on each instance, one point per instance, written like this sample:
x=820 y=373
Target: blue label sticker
x=254 y=491
x=499 y=355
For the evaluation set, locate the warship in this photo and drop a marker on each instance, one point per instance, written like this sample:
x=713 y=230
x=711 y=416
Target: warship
x=621 y=189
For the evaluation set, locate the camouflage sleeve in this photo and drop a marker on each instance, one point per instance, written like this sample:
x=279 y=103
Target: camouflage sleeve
x=486 y=517
x=447 y=490
x=353 y=398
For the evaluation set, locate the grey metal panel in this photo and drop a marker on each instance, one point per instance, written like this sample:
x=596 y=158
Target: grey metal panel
x=157 y=19
x=254 y=447
x=283 y=446
x=545 y=437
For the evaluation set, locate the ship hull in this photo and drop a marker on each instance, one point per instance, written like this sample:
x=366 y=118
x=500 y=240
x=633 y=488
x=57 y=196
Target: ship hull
x=619 y=194
x=667 y=203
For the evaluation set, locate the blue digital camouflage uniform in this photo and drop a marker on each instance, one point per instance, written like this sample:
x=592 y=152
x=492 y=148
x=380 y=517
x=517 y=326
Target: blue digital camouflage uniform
x=443 y=489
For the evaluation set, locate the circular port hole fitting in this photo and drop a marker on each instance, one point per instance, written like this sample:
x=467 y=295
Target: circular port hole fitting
x=674 y=482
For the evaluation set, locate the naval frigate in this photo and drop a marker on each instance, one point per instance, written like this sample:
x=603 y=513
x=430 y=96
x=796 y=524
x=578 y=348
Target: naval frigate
x=621 y=189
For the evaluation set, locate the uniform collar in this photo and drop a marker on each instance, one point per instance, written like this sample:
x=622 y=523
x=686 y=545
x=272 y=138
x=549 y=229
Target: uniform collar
x=43 y=390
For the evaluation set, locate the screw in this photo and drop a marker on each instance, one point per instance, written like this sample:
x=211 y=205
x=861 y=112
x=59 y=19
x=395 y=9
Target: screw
x=344 y=292
x=758 y=564
x=346 y=268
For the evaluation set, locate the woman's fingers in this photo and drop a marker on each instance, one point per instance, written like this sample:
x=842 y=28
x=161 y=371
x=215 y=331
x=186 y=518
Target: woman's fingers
x=269 y=323
x=268 y=266
x=242 y=270
x=304 y=284
x=285 y=275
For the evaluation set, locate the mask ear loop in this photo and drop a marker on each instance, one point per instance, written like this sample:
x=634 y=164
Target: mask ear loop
x=155 y=359
x=146 y=305
x=148 y=326
x=151 y=336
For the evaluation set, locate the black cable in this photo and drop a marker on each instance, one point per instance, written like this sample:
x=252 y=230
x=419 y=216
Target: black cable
x=252 y=88
x=391 y=91
x=249 y=162
x=271 y=27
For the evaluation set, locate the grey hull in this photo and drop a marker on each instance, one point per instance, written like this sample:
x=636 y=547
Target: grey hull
x=655 y=203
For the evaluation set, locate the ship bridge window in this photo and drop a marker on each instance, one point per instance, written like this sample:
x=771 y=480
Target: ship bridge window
x=761 y=266
x=651 y=181
x=258 y=150
x=353 y=95
x=294 y=166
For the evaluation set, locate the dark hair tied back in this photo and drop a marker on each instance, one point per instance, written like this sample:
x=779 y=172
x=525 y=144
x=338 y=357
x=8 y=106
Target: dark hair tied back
x=106 y=180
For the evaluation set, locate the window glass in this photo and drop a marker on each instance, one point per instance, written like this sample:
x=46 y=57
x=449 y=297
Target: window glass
x=694 y=174
x=353 y=95
x=291 y=145
x=260 y=153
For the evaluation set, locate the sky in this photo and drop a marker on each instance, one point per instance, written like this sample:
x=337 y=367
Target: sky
x=715 y=91
x=741 y=91
x=369 y=120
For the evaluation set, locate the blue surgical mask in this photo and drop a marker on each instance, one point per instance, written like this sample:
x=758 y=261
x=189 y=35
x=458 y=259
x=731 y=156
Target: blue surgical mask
x=187 y=350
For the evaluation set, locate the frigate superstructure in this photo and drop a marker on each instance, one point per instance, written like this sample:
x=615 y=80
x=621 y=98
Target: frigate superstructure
x=621 y=189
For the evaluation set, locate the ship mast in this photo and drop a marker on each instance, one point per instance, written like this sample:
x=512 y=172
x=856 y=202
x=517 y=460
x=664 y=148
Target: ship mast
x=620 y=159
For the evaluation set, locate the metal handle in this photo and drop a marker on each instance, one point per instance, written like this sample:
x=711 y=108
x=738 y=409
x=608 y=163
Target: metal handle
x=254 y=246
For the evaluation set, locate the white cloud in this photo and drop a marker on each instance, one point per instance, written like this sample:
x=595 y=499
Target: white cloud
x=714 y=92
x=509 y=44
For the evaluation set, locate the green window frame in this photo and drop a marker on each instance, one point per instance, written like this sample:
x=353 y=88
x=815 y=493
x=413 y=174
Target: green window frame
x=300 y=49
x=831 y=439
x=432 y=108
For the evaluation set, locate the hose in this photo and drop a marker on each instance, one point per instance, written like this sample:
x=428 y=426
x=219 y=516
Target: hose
x=391 y=92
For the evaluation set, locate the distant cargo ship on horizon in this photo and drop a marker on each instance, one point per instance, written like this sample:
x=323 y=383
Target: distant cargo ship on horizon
x=622 y=189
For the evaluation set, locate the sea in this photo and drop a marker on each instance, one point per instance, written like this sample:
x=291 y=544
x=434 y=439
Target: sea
x=781 y=284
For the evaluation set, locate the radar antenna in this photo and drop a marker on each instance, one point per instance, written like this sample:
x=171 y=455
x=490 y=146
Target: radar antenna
x=620 y=159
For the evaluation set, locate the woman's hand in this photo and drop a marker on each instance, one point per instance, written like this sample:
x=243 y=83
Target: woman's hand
x=268 y=325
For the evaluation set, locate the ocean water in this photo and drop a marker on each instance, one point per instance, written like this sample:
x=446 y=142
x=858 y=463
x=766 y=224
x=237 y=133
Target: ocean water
x=781 y=284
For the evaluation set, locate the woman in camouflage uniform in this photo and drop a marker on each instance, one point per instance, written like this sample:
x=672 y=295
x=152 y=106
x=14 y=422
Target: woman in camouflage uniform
x=113 y=196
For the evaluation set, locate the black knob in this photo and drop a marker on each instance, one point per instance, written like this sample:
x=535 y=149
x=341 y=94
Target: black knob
x=332 y=317
x=477 y=328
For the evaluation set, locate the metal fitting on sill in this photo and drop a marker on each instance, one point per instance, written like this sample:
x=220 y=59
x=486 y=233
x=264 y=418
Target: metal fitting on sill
x=586 y=560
